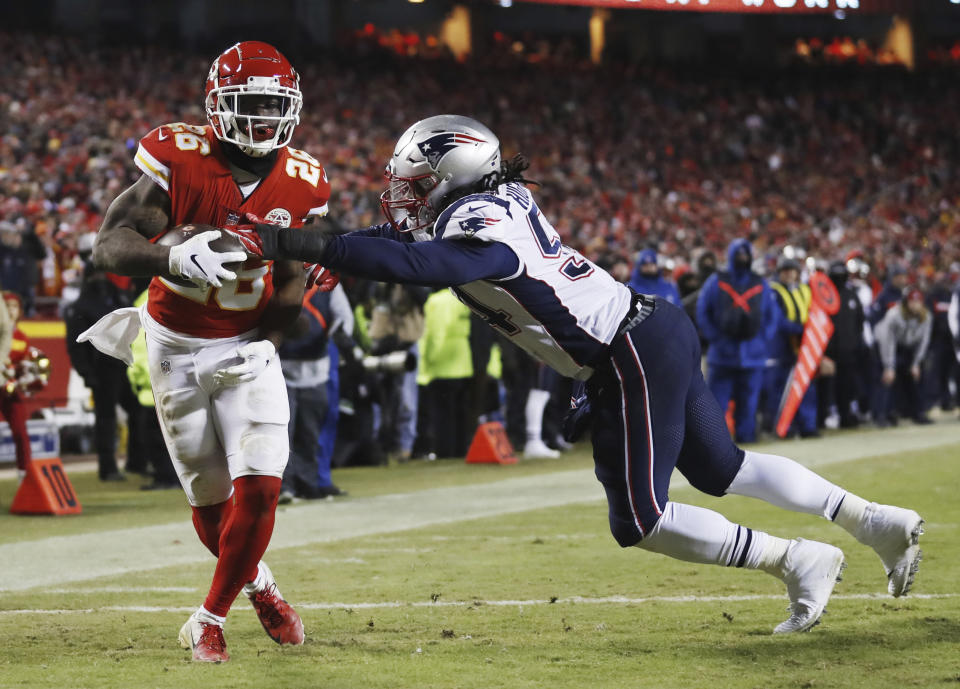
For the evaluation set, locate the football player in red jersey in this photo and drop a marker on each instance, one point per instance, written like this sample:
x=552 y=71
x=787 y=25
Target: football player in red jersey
x=213 y=334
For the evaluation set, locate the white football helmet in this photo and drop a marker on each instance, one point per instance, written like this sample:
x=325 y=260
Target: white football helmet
x=433 y=158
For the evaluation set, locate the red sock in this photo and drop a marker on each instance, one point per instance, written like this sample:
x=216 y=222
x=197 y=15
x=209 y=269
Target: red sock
x=243 y=539
x=209 y=521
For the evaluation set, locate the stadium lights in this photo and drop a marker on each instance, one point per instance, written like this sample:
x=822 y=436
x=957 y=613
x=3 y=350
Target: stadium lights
x=506 y=3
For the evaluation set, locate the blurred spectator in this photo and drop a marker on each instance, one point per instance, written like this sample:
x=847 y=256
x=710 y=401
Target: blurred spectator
x=706 y=266
x=953 y=319
x=446 y=371
x=7 y=326
x=891 y=294
x=150 y=434
x=20 y=253
x=647 y=279
x=105 y=376
x=543 y=382
x=736 y=313
x=306 y=370
x=396 y=324
x=12 y=402
x=903 y=337
x=943 y=372
x=793 y=300
x=485 y=352
x=845 y=350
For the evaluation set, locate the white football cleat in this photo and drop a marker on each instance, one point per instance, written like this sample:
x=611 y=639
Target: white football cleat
x=810 y=571
x=894 y=533
x=204 y=639
x=537 y=449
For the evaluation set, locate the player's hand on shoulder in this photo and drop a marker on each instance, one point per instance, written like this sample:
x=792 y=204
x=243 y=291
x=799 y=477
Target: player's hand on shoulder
x=194 y=260
x=255 y=357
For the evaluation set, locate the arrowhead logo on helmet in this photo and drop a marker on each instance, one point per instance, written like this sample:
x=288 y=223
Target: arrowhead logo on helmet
x=434 y=148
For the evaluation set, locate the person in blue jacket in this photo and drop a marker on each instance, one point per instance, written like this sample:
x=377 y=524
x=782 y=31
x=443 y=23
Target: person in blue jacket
x=646 y=278
x=736 y=314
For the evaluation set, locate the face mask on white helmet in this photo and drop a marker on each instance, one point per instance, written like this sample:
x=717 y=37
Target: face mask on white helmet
x=434 y=158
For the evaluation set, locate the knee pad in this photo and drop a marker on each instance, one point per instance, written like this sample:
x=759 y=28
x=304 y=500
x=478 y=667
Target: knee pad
x=263 y=450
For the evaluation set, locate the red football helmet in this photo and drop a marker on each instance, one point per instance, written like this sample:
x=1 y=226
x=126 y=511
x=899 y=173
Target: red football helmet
x=253 y=98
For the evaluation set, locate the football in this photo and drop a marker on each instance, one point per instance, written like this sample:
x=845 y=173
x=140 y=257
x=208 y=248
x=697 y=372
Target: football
x=181 y=233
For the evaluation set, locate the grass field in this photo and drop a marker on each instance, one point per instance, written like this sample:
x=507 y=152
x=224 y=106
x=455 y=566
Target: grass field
x=447 y=575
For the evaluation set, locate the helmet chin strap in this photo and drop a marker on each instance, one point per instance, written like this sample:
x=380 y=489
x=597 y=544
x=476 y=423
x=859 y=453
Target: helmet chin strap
x=249 y=149
x=255 y=165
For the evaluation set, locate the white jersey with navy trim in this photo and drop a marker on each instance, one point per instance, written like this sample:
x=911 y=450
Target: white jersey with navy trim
x=558 y=306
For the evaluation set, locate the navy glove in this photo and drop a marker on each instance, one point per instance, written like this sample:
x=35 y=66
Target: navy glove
x=577 y=419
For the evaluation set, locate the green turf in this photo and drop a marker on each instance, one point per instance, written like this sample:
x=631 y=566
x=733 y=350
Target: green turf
x=446 y=633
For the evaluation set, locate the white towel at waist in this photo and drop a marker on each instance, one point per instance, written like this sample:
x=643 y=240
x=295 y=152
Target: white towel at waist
x=114 y=333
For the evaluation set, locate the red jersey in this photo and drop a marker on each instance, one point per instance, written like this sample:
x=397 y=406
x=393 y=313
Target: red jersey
x=188 y=163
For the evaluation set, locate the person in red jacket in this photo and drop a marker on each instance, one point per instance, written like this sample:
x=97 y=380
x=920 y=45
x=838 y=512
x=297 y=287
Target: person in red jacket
x=13 y=406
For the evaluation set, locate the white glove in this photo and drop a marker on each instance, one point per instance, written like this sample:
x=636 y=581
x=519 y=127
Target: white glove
x=256 y=357
x=194 y=260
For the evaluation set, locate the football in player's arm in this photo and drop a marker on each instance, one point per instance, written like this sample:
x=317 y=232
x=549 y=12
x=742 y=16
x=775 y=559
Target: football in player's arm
x=142 y=213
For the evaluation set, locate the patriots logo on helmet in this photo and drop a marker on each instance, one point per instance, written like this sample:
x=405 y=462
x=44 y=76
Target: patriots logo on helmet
x=471 y=226
x=440 y=145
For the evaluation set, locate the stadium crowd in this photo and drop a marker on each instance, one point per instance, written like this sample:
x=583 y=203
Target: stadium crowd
x=817 y=165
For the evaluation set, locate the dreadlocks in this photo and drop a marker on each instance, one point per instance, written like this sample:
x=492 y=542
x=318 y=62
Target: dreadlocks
x=510 y=171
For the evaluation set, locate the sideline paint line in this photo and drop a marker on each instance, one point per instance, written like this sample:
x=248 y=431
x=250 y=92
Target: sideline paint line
x=39 y=563
x=573 y=600
x=124 y=589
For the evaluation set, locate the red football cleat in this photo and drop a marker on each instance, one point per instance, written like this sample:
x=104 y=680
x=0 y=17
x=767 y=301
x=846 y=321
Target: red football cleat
x=279 y=619
x=205 y=640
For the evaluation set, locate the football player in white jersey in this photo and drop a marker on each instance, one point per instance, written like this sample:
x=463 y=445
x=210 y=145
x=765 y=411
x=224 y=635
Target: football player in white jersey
x=458 y=216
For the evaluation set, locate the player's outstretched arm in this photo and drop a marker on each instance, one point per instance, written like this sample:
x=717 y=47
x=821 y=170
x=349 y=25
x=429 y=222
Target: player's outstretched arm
x=135 y=216
x=434 y=264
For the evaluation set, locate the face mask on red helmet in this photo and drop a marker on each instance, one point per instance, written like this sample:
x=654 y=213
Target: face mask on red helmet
x=253 y=98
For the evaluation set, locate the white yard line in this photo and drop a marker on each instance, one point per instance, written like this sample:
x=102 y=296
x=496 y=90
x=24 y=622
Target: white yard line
x=60 y=560
x=573 y=600
x=123 y=589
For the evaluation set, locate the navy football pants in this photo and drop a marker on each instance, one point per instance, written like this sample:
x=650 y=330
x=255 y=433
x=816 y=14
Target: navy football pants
x=652 y=411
